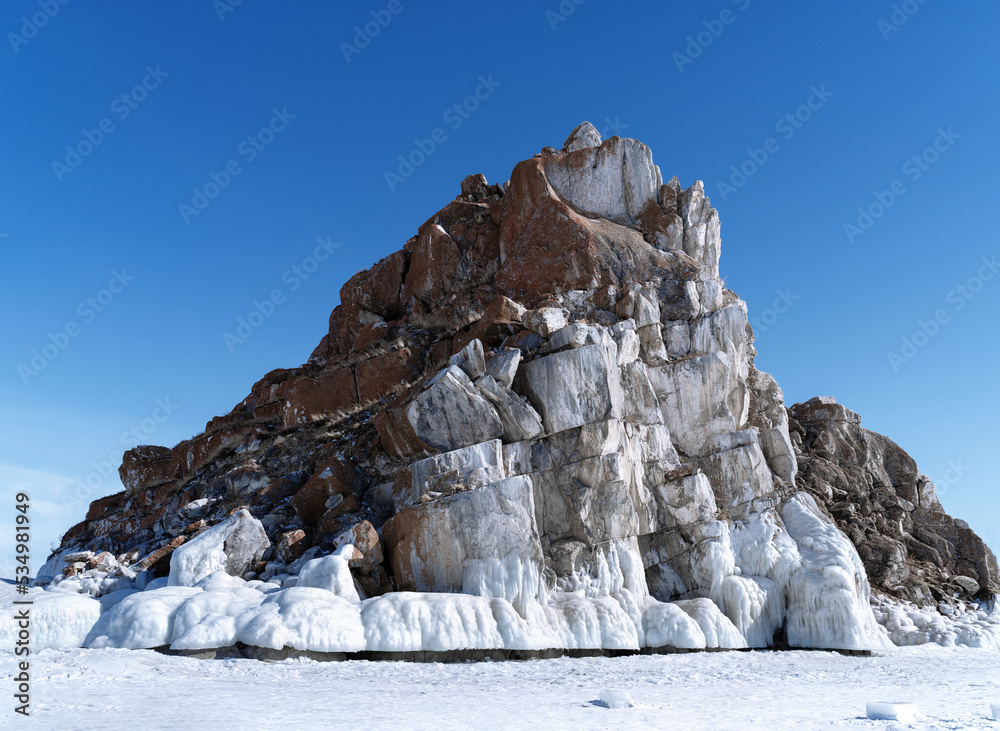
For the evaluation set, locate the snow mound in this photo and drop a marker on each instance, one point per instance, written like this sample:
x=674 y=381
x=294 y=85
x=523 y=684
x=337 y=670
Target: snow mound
x=332 y=573
x=410 y=621
x=209 y=619
x=57 y=620
x=963 y=625
x=670 y=625
x=140 y=621
x=306 y=618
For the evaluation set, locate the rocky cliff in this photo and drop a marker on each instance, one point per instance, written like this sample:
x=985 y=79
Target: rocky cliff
x=548 y=399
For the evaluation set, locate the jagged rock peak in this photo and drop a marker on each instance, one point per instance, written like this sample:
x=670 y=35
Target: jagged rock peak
x=585 y=135
x=542 y=412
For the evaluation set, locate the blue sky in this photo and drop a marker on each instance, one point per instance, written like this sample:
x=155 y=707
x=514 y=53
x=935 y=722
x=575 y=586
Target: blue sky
x=168 y=165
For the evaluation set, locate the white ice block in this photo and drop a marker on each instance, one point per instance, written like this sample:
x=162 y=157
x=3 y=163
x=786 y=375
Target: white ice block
x=616 y=699
x=903 y=712
x=995 y=708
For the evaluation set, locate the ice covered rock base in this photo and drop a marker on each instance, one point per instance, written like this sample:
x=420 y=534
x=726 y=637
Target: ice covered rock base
x=538 y=426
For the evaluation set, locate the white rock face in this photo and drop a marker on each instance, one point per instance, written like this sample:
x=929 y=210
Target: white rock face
x=585 y=135
x=438 y=544
x=545 y=321
x=474 y=466
x=452 y=413
x=613 y=181
x=520 y=421
x=470 y=359
x=575 y=336
x=699 y=396
x=233 y=546
x=595 y=393
x=702 y=232
x=503 y=367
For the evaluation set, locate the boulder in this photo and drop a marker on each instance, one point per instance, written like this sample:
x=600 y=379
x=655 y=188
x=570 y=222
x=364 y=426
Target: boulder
x=575 y=336
x=234 y=546
x=503 y=366
x=470 y=359
x=452 y=413
x=365 y=539
x=291 y=544
x=545 y=321
x=520 y=421
x=144 y=467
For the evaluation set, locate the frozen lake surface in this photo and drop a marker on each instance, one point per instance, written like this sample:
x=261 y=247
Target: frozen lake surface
x=110 y=688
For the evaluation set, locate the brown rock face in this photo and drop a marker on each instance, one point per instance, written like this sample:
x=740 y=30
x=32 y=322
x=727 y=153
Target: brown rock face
x=307 y=399
x=336 y=482
x=145 y=467
x=290 y=545
x=365 y=539
x=159 y=560
x=911 y=548
x=389 y=373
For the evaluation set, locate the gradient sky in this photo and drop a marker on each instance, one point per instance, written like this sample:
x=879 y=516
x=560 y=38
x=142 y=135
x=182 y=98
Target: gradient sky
x=154 y=100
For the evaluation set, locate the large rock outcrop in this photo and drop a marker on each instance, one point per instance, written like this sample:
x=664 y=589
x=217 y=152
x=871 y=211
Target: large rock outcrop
x=544 y=413
x=911 y=548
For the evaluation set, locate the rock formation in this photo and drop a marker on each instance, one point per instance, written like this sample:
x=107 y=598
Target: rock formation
x=541 y=416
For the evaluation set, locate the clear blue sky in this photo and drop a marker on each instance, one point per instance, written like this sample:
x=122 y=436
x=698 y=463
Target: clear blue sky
x=73 y=224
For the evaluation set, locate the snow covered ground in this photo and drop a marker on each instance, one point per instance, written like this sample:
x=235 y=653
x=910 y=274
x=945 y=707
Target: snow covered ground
x=104 y=689
x=113 y=688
